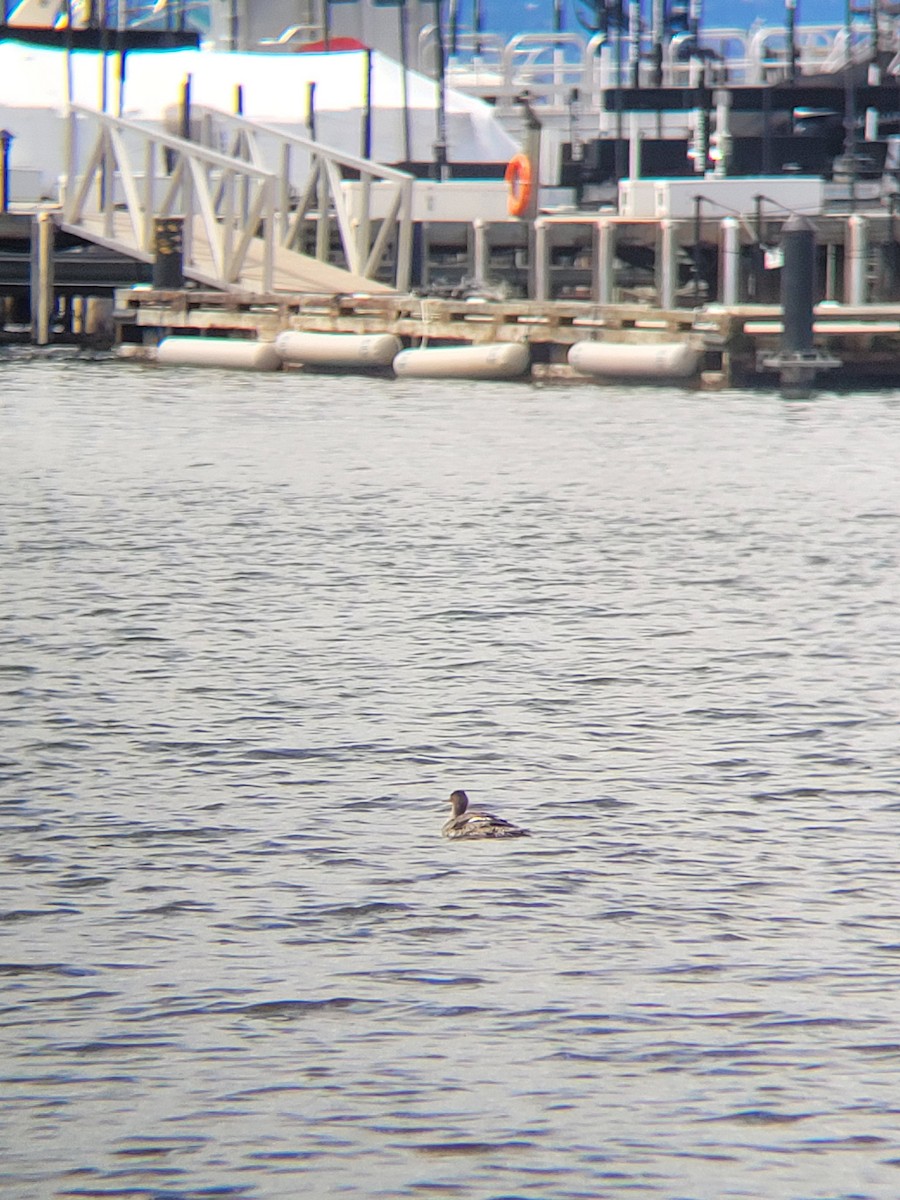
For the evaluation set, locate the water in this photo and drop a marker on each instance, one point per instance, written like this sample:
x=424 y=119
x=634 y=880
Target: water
x=255 y=629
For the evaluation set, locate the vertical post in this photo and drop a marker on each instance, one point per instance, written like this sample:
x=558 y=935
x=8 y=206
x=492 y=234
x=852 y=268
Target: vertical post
x=453 y=24
x=699 y=149
x=478 y=21
x=697 y=250
x=849 y=103
x=366 y=147
x=798 y=238
x=425 y=251
x=404 y=81
x=186 y=108
x=634 y=43
x=103 y=26
x=619 y=155
x=657 y=36
x=767 y=130
x=479 y=250
x=268 y=262
x=532 y=148
x=757 y=272
x=722 y=99
x=604 y=283
x=107 y=181
x=831 y=271
x=283 y=196
x=666 y=267
x=790 y=14
x=6 y=140
x=168 y=260
x=541 y=264
x=634 y=146
x=323 y=219
x=42 y=239
x=405 y=237
x=364 y=226
x=311 y=110
x=731 y=261
x=440 y=141
x=856 y=259
x=120 y=81
x=798 y=361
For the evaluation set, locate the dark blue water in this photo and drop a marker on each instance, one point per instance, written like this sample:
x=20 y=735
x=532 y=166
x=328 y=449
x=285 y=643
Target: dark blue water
x=255 y=629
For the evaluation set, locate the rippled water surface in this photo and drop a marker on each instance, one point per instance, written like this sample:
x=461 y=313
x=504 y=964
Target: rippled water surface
x=255 y=630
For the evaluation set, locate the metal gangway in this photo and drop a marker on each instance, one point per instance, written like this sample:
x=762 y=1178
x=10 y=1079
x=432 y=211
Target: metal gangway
x=323 y=193
x=247 y=208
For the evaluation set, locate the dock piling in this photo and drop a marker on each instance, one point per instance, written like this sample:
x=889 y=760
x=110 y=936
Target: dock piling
x=604 y=283
x=42 y=284
x=667 y=265
x=541 y=261
x=798 y=361
x=856 y=259
x=731 y=260
x=479 y=250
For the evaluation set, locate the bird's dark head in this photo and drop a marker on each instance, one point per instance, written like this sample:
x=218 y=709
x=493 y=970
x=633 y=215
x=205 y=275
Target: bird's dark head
x=459 y=802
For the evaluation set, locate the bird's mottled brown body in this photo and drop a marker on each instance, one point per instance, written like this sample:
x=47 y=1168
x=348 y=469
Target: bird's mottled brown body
x=465 y=824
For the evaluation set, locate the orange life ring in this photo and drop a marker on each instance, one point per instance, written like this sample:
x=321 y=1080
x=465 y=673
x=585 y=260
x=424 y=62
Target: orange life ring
x=518 y=180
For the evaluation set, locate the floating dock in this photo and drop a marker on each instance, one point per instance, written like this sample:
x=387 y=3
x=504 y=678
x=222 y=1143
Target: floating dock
x=713 y=346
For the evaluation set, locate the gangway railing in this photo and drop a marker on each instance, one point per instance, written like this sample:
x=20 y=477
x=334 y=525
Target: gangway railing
x=121 y=175
x=311 y=199
x=551 y=68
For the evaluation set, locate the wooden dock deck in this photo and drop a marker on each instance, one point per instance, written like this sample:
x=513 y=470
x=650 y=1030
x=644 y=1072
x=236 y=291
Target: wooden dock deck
x=731 y=341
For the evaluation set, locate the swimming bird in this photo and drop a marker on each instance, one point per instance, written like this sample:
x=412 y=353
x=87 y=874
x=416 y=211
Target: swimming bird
x=464 y=824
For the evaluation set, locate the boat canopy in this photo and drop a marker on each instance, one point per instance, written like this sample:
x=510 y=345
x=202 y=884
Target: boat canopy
x=147 y=85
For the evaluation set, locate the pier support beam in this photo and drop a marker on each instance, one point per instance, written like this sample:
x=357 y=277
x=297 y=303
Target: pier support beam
x=43 y=233
x=667 y=264
x=731 y=261
x=856 y=260
x=541 y=261
x=479 y=251
x=605 y=262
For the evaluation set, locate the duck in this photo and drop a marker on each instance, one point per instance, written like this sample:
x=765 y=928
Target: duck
x=465 y=824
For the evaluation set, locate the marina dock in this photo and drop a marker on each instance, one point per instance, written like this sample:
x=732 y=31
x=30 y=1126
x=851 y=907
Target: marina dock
x=599 y=280
x=187 y=223
x=662 y=287
x=728 y=344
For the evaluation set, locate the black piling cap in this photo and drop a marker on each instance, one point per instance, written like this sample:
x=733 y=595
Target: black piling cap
x=797 y=223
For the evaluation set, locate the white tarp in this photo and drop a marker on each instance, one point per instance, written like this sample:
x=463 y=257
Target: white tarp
x=35 y=83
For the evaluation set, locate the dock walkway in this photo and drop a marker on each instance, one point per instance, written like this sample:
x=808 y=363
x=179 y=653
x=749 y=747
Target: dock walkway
x=731 y=342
